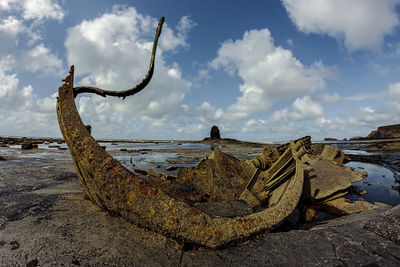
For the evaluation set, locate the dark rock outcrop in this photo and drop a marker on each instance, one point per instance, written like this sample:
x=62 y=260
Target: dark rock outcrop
x=214 y=134
x=384 y=132
x=28 y=146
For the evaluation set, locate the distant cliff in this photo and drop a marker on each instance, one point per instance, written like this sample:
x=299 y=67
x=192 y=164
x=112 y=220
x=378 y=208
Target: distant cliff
x=383 y=132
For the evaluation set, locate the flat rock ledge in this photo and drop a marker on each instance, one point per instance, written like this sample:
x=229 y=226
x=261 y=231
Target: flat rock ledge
x=45 y=220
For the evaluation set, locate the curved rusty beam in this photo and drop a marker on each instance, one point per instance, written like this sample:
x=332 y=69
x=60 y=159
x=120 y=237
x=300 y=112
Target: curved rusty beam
x=131 y=91
x=114 y=188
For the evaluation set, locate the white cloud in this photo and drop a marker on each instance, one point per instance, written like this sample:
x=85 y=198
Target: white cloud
x=25 y=17
x=361 y=97
x=40 y=59
x=205 y=112
x=269 y=73
x=12 y=99
x=394 y=91
x=185 y=25
x=365 y=120
x=34 y=9
x=360 y=24
x=305 y=108
x=302 y=109
x=255 y=126
x=10 y=27
x=95 y=111
x=6 y=5
x=42 y=9
x=30 y=122
x=369 y=115
x=334 y=127
x=113 y=51
x=47 y=104
x=329 y=98
x=24 y=113
x=381 y=70
x=170 y=40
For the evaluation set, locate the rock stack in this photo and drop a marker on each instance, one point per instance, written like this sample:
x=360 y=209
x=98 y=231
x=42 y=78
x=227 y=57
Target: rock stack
x=214 y=134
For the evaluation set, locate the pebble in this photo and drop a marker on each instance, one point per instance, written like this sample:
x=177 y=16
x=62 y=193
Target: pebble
x=362 y=192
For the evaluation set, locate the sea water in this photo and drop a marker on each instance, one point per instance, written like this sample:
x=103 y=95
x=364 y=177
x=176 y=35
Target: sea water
x=380 y=183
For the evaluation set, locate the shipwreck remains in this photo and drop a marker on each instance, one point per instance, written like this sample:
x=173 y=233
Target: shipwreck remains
x=113 y=187
x=219 y=202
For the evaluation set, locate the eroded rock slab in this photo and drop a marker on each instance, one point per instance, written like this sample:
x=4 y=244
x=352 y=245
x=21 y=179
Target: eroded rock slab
x=46 y=221
x=324 y=179
x=339 y=242
x=75 y=232
x=342 y=206
x=386 y=225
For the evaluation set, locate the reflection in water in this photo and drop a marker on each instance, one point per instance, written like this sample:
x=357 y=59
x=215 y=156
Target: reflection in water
x=358 y=152
x=156 y=161
x=53 y=154
x=129 y=146
x=378 y=184
x=151 y=146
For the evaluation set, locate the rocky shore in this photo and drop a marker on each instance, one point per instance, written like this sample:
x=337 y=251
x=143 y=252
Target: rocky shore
x=45 y=220
x=386 y=153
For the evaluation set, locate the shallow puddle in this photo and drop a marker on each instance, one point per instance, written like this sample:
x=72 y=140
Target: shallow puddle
x=358 y=152
x=151 y=146
x=156 y=161
x=378 y=183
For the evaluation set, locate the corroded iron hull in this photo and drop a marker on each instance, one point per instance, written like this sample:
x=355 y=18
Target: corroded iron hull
x=114 y=188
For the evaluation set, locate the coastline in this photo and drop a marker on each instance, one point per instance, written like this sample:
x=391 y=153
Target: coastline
x=46 y=219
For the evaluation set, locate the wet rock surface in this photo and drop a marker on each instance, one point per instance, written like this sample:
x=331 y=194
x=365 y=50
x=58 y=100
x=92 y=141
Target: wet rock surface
x=342 y=206
x=28 y=146
x=339 y=242
x=386 y=225
x=46 y=220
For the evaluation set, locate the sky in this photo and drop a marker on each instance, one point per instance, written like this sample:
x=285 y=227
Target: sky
x=259 y=70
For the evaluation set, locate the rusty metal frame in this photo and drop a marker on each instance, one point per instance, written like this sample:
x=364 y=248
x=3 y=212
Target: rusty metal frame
x=113 y=187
